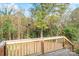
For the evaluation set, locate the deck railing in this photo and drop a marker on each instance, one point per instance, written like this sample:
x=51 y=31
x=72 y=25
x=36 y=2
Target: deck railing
x=2 y=45
x=36 y=46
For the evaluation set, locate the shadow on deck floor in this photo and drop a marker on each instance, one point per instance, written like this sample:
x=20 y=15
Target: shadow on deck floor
x=62 y=52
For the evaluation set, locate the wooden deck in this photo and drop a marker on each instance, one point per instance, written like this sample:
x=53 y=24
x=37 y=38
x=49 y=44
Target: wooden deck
x=61 y=52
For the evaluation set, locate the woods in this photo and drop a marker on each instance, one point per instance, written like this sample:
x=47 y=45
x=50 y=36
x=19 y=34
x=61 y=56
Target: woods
x=46 y=20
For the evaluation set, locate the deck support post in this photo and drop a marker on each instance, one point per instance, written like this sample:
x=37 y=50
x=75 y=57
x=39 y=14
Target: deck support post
x=42 y=46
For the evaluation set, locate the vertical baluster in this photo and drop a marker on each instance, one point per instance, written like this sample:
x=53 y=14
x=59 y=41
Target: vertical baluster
x=34 y=47
x=47 y=46
x=15 y=49
x=12 y=49
x=54 y=45
x=37 y=44
x=29 y=48
x=50 y=46
x=8 y=49
x=26 y=48
x=44 y=46
x=18 y=47
x=22 y=49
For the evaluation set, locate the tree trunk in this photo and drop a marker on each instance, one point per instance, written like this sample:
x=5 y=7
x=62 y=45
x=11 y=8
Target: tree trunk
x=13 y=37
x=27 y=33
x=18 y=34
x=51 y=33
x=19 y=28
x=22 y=34
x=9 y=35
x=41 y=33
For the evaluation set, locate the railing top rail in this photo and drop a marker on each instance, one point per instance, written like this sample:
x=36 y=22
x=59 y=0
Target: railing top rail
x=68 y=40
x=32 y=39
x=35 y=39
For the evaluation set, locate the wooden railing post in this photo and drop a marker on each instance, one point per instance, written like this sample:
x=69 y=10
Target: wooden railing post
x=72 y=46
x=63 y=43
x=72 y=49
x=5 y=50
x=42 y=46
x=2 y=45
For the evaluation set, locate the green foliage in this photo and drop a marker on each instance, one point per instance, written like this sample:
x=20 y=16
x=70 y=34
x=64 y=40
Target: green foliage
x=41 y=24
x=8 y=27
x=43 y=21
x=77 y=51
x=1 y=33
x=41 y=13
x=71 y=32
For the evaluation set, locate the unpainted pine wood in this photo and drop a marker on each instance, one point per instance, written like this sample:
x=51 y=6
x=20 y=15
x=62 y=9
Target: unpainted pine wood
x=48 y=46
x=35 y=47
x=9 y=50
x=6 y=50
x=14 y=49
x=28 y=48
x=52 y=45
x=18 y=49
x=22 y=47
x=38 y=47
x=25 y=48
x=2 y=51
x=32 y=48
x=45 y=46
x=42 y=47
